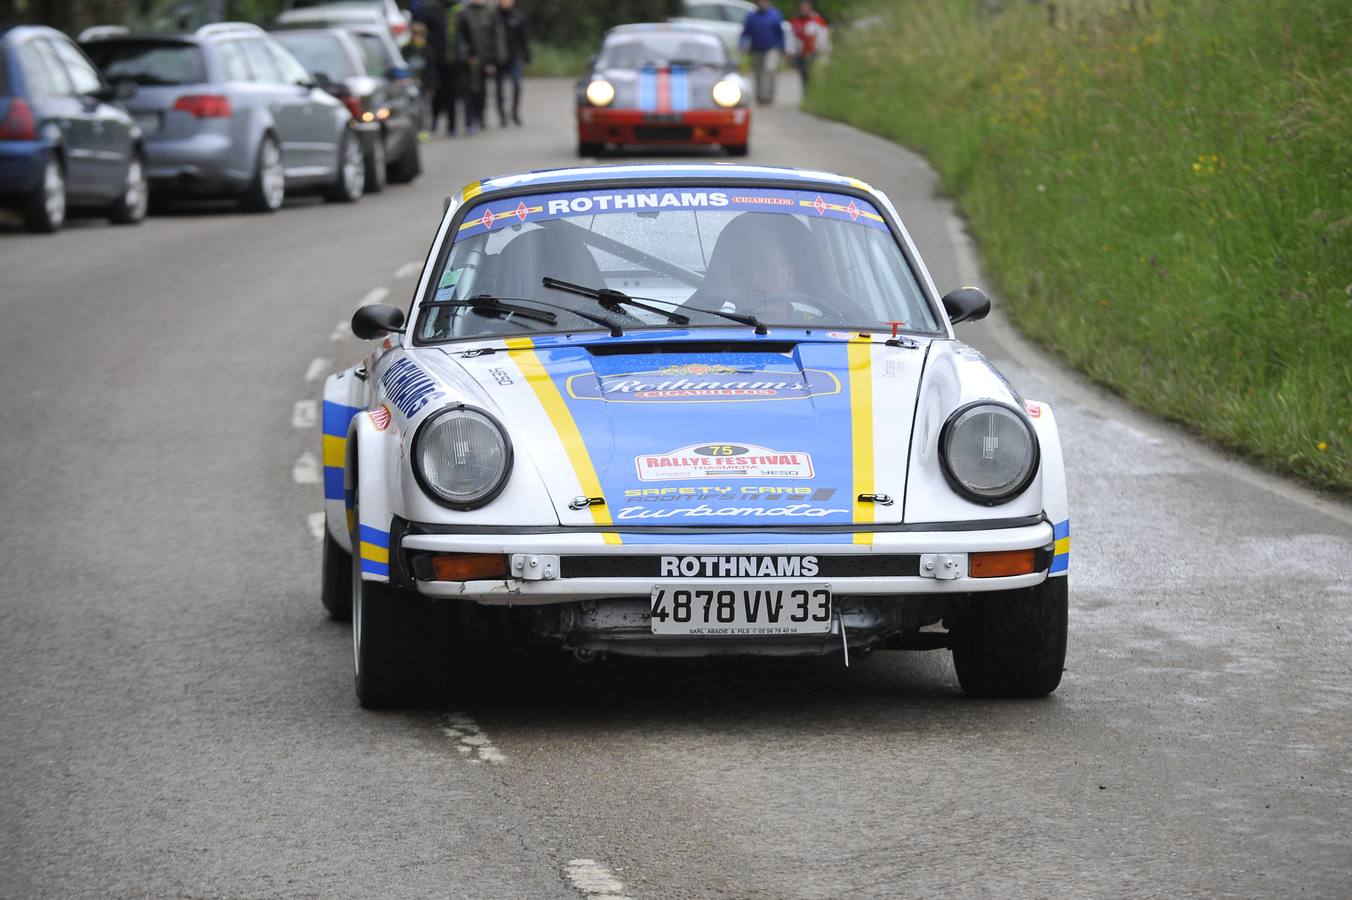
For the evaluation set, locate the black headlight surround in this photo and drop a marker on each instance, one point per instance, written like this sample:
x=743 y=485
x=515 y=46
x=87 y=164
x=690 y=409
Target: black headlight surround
x=956 y=484
x=416 y=461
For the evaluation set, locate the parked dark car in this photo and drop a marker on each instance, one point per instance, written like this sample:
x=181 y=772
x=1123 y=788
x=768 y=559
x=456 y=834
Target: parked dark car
x=385 y=116
x=64 y=140
x=227 y=111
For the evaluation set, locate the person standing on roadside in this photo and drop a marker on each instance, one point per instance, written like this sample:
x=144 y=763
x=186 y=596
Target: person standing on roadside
x=440 y=17
x=763 y=35
x=425 y=69
x=483 y=45
x=518 y=55
x=809 y=31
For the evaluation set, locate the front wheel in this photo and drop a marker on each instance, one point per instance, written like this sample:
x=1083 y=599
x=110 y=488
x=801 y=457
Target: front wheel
x=1012 y=643
x=588 y=149
x=735 y=149
x=45 y=208
x=408 y=166
x=401 y=644
x=375 y=165
x=131 y=207
x=350 y=180
x=268 y=188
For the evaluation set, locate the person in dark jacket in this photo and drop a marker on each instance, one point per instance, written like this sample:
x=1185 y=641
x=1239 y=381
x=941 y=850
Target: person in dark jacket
x=518 y=55
x=763 y=35
x=440 y=17
x=482 y=45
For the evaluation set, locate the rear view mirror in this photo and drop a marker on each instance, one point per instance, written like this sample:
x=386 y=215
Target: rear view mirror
x=966 y=304
x=377 y=320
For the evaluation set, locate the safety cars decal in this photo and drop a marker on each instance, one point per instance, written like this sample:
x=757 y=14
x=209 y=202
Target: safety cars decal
x=375 y=551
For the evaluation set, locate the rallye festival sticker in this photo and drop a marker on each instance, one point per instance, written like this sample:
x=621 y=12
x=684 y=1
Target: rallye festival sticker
x=723 y=461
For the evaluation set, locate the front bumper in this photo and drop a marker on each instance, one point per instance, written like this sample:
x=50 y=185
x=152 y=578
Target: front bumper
x=728 y=127
x=585 y=567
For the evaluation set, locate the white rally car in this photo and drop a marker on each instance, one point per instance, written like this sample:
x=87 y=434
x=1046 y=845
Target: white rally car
x=683 y=411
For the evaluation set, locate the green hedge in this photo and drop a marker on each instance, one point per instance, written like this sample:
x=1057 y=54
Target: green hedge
x=1161 y=191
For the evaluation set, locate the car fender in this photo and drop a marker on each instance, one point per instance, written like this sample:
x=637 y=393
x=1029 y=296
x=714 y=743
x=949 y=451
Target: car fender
x=1055 y=497
x=372 y=466
x=344 y=398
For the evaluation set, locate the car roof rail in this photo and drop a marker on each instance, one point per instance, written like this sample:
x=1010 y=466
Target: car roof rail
x=218 y=28
x=94 y=32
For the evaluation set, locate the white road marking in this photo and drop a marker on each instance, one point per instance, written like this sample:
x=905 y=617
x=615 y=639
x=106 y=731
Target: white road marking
x=470 y=740
x=408 y=269
x=595 y=881
x=316 y=523
x=341 y=330
x=316 y=369
x=304 y=414
x=375 y=295
x=306 y=470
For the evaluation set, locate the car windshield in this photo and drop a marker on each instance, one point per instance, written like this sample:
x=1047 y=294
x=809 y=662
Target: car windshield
x=785 y=257
x=320 y=53
x=633 y=51
x=148 y=62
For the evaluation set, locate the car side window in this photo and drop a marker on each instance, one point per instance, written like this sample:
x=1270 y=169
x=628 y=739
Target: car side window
x=703 y=11
x=292 y=71
x=261 y=62
x=42 y=70
x=233 y=63
x=83 y=76
x=372 y=54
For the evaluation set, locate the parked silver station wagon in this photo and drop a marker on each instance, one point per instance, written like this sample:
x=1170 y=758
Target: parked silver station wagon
x=228 y=111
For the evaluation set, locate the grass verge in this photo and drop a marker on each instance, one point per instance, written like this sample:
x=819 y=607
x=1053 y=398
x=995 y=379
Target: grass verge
x=550 y=61
x=1162 y=193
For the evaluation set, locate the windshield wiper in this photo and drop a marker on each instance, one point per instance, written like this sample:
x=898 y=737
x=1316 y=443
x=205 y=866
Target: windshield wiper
x=613 y=300
x=509 y=304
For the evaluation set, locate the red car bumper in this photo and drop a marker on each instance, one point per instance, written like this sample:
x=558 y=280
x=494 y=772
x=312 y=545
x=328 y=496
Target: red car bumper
x=728 y=127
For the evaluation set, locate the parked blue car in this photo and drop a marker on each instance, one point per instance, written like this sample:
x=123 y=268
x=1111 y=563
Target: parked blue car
x=64 y=140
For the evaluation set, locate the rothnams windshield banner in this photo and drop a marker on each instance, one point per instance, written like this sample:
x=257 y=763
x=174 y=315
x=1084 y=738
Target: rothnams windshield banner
x=494 y=215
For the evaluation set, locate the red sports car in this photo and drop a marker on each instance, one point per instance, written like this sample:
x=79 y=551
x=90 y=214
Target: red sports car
x=662 y=84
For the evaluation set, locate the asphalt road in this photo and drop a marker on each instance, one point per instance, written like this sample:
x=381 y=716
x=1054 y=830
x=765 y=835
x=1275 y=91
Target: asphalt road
x=178 y=715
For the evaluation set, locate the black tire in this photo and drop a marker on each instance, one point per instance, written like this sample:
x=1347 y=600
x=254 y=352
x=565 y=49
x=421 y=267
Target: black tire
x=132 y=206
x=584 y=149
x=735 y=149
x=401 y=645
x=267 y=191
x=335 y=586
x=44 y=209
x=376 y=165
x=349 y=182
x=409 y=164
x=1013 y=643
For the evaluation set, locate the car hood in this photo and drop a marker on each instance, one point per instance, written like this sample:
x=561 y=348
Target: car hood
x=708 y=431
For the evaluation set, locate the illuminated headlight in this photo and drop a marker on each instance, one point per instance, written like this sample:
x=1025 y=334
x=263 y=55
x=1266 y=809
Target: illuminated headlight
x=989 y=452
x=727 y=93
x=600 y=93
x=461 y=457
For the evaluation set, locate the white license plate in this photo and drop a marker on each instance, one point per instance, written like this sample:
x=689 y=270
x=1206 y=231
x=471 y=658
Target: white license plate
x=149 y=122
x=741 y=609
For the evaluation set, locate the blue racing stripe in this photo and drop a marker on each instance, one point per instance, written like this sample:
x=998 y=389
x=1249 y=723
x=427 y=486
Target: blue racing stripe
x=375 y=568
x=647 y=89
x=374 y=536
x=1059 y=564
x=337 y=417
x=1060 y=530
x=680 y=89
x=333 y=483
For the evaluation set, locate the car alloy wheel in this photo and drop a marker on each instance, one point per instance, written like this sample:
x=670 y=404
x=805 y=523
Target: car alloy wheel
x=54 y=194
x=272 y=174
x=354 y=169
x=132 y=206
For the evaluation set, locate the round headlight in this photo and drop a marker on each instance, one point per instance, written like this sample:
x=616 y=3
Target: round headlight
x=600 y=93
x=461 y=457
x=989 y=452
x=727 y=93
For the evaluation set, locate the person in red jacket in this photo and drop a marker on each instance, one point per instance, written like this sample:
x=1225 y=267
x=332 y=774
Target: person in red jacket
x=810 y=34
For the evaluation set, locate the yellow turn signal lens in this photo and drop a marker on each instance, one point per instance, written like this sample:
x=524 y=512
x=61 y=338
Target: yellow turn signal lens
x=469 y=566
x=727 y=93
x=600 y=93
x=1003 y=564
